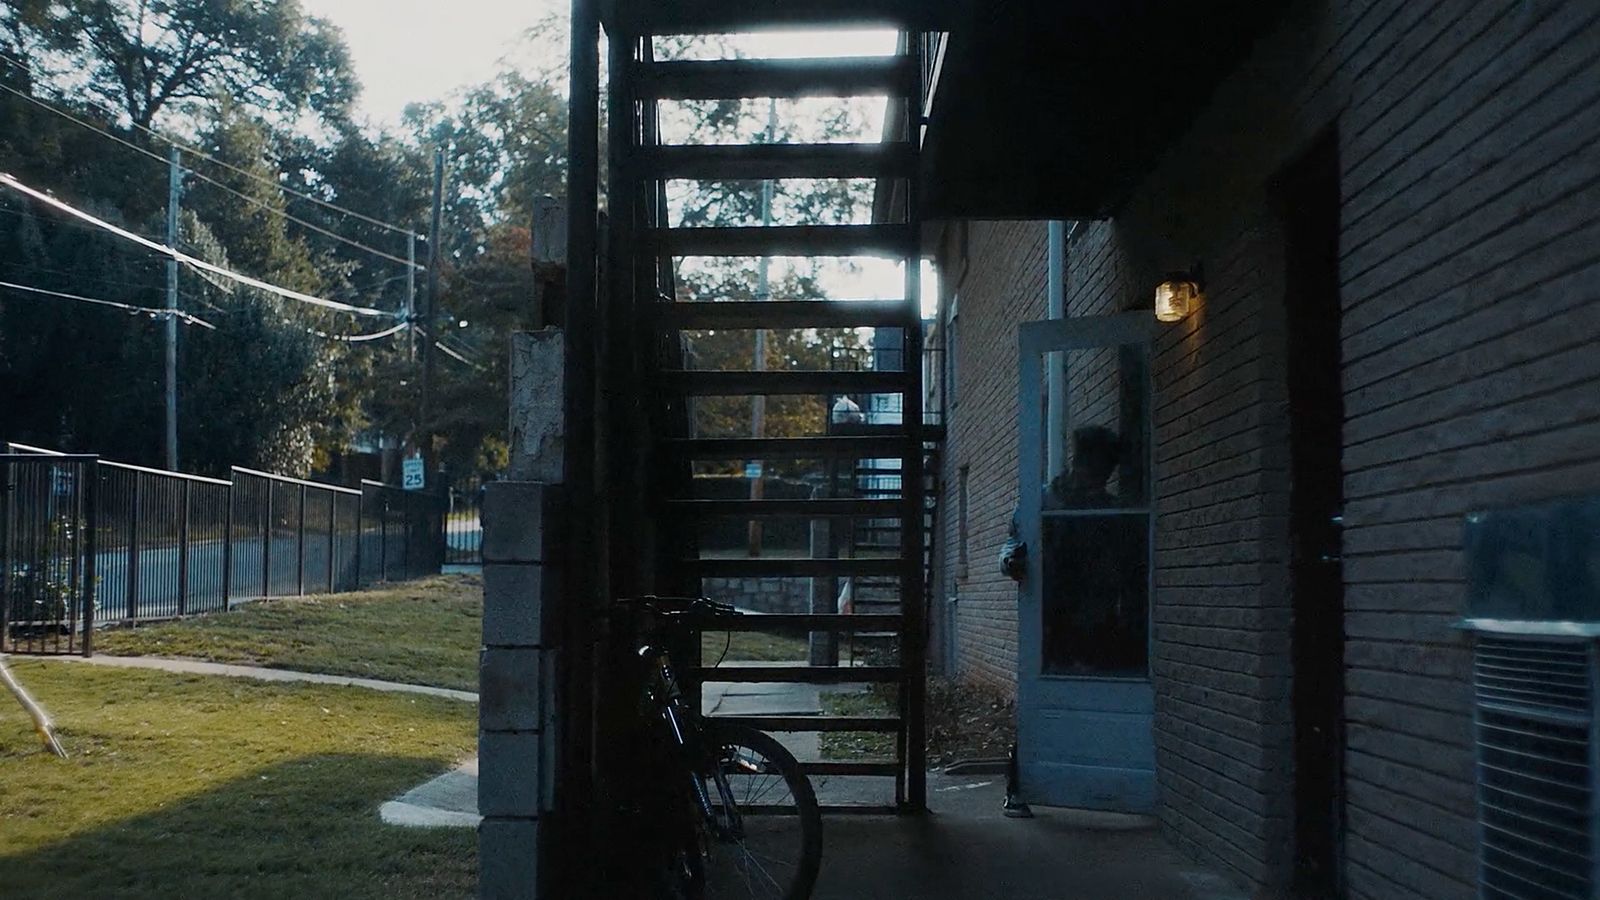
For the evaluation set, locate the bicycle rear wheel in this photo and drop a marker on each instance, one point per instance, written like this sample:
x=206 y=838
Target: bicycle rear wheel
x=767 y=841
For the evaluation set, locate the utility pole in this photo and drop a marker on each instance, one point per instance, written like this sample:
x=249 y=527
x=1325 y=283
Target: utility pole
x=758 y=403
x=429 y=314
x=174 y=194
x=411 y=296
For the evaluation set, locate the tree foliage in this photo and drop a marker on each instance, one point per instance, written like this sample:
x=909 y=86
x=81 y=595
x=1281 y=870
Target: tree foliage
x=266 y=92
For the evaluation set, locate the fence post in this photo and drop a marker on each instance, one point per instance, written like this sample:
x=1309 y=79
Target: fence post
x=333 y=528
x=227 y=546
x=8 y=488
x=300 y=551
x=361 y=533
x=266 y=547
x=183 y=549
x=133 y=549
x=406 y=529
x=383 y=537
x=91 y=485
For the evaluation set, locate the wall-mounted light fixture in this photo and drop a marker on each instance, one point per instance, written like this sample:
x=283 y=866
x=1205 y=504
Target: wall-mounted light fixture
x=1179 y=294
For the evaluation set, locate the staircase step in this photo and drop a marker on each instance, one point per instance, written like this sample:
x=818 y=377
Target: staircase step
x=799 y=674
x=701 y=383
x=728 y=79
x=793 y=724
x=894 y=241
x=750 y=162
x=787 y=314
x=770 y=567
x=864 y=447
x=791 y=623
x=824 y=507
x=841 y=767
x=717 y=16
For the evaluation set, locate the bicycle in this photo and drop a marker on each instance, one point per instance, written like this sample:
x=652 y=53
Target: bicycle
x=748 y=827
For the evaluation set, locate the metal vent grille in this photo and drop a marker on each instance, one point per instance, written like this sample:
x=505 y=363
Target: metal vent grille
x=1535 y=769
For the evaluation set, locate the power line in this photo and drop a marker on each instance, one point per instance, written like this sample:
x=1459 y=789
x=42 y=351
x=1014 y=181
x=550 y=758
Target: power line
x=145 y=310
x=456 y=356
x=206 y=178
x=359 y=338
x=11 y=182
x=78 y=276
x=227 y=165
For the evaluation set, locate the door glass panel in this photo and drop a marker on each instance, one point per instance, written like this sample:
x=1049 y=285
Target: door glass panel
x=1095 y=517
x=1095 y=596
x=1097 y=432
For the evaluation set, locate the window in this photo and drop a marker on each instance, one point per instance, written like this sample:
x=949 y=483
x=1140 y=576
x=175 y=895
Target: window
x=961 y=524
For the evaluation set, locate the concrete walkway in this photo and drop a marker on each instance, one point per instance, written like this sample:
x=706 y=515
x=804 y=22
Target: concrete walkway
x=449 y=801
x=260 y=673
x=963 y=849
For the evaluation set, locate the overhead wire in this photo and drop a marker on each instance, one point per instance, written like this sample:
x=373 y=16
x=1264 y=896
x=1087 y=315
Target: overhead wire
x=456 y=356
x=328 y=204
x=215 y=182
x=360 y=338
x=10 y=181
x=127 y=307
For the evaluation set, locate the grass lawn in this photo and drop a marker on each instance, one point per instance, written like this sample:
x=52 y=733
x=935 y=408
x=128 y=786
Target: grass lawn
x=748 y=646
x=192 y=786
x=419 y=632
x=859 y=745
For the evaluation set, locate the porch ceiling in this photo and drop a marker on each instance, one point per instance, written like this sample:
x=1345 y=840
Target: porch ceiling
x=1052 y=109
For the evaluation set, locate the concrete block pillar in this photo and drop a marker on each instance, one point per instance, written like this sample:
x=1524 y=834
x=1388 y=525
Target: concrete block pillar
x=517 y=711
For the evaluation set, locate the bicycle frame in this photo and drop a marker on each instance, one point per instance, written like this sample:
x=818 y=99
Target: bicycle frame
x=662 y=693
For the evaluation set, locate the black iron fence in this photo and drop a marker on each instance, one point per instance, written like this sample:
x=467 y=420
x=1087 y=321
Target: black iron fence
x=84 y=539
x=47 y=553
x=402 y=533
x=463 y=529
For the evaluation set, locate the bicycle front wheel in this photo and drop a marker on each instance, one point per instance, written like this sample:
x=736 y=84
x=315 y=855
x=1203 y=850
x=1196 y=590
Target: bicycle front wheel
x=766 y=840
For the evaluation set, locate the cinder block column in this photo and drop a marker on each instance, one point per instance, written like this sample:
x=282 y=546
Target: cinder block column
x=514 y=708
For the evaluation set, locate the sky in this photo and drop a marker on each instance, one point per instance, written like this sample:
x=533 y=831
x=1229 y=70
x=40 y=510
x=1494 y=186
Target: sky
x=406 y=51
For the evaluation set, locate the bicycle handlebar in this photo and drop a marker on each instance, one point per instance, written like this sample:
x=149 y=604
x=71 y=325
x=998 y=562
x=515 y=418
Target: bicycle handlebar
x=678 y=605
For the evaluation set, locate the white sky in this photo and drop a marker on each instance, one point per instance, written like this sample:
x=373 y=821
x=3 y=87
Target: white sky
x=406 y=51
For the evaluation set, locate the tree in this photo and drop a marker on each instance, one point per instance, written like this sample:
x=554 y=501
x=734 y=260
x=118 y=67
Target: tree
x=145 y=56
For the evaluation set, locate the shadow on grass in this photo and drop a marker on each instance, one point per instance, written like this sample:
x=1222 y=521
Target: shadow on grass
x=304 y=828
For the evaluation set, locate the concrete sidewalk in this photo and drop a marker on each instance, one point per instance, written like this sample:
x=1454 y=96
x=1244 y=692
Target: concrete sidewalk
x=964 y=849
x=260 y=673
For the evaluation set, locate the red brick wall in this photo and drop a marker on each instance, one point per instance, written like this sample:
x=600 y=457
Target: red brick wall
x=1470 y=255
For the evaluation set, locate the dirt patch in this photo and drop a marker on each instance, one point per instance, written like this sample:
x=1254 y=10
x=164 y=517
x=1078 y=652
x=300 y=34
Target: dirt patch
x=965 y=722
x=968 y=721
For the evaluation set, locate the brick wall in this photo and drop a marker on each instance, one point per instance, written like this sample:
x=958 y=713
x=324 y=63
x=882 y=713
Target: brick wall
x=1004 y=283
x=1470 y=252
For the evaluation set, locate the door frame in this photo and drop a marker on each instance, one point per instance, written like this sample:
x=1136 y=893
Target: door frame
x=1034 y=341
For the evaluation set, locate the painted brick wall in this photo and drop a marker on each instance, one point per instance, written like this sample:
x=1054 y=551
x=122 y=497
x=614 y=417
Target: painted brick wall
x=1470 y=255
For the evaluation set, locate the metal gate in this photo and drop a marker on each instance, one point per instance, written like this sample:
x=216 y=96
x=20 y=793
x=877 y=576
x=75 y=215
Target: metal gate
x=48 y=553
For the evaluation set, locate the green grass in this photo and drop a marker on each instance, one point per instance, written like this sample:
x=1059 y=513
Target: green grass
x=858 y=745
x=421 y=632
x=751 y=646
x=195 y=786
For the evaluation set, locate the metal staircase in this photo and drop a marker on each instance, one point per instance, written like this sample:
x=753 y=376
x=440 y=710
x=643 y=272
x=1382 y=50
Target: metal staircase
x=643 y=245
